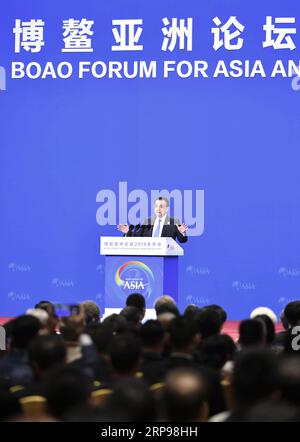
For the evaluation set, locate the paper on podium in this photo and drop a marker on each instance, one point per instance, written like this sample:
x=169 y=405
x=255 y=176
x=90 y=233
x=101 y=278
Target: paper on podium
x=143 y=246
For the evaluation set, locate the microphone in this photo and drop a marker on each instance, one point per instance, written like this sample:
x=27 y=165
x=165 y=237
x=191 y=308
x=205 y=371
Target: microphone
x=143 y=228
x=136 y=230
x=129 y=233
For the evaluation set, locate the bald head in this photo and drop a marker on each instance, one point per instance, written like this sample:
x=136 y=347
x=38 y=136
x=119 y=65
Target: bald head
x=185 y=395
x=290 y=379
x=164 y=299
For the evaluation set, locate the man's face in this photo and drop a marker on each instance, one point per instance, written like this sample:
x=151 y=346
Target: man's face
x=160 y=208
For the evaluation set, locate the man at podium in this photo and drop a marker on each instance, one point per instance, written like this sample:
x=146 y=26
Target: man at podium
x=159 y=226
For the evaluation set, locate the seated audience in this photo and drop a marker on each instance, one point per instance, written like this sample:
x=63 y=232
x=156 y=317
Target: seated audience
x=132 y=316
x=183 y=342
x=91 y=312
x=66 y=388
x=125 y=356
x=208 y=322
x=269 y=327
x=71 y=329
x=153 y=339
x=138 y=301
x=15 y=367
x=44 y=353
x=252 y=333
x=101 y=335
x=216 y=351
x=222 y=313
x=165 y=304
x=167 y=308
x=191 y=311
x=289 y=371
x=255 y=378
x=131 y=401
x=176 y=368
x=185 y=396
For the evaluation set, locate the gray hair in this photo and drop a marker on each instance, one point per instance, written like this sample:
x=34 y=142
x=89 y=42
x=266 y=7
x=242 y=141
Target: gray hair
x=91 y=309
x=164 y=299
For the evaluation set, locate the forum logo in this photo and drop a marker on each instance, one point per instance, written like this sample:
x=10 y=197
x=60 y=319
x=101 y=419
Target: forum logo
x=289 y=272
x=135 y=275
x=243 y=285
x=13 y=267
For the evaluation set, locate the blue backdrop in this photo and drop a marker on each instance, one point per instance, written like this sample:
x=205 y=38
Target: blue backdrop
x=64 y=140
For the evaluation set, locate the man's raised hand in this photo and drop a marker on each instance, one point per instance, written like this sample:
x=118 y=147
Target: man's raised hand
x=183 y=228
x=123 y=228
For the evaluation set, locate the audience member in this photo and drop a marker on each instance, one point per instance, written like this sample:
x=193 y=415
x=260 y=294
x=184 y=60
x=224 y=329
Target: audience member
x=153 y=339
x=138 y=301
x=252 y=333
x=174 y=368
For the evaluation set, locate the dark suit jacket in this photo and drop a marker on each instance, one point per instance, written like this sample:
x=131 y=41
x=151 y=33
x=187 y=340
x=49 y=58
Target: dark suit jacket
x=153 y=367
x=169 y=229
x=180 y=361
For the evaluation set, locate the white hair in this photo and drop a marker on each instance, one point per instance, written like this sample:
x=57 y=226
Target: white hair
x=38 y=313
x=264 y=311
x=164 y=299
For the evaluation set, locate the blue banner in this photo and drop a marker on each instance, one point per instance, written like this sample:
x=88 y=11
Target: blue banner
x=103 y=105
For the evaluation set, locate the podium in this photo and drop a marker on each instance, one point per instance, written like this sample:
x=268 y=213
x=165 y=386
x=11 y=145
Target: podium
x=139 y=265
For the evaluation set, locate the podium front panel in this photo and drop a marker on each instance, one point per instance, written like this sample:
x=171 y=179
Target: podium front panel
x=152 y=276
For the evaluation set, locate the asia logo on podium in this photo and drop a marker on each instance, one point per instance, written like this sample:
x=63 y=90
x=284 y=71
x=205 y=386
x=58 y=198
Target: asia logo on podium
x=135 y=275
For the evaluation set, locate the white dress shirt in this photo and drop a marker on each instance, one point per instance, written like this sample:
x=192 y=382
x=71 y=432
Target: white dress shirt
x=162 y=222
